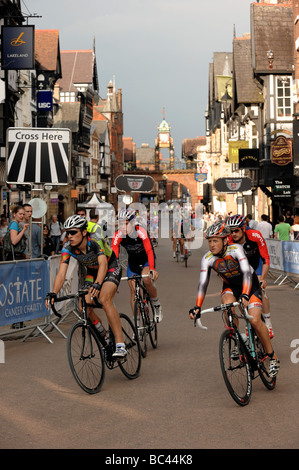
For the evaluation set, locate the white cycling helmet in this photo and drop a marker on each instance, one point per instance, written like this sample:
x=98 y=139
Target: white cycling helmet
x=75 y=221
x=127 y=214
x=218 y=230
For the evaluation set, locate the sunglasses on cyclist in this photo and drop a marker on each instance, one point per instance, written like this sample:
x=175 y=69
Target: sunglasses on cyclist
x=236 y=230
x=71 y=232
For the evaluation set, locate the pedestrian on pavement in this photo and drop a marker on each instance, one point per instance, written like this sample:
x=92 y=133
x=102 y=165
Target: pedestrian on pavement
x=27 y=220
x=251 y=223
x=265 y=227
x=295 y=227
x=282 y=230
x=55 y=232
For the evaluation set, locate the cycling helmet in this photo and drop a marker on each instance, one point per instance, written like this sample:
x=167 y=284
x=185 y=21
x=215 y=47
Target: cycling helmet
x=236 y=221
x=127 y=214
x=75 y=221
x=217 y=230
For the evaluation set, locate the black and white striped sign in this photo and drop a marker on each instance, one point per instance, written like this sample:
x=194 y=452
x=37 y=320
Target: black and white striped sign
x=38 y=155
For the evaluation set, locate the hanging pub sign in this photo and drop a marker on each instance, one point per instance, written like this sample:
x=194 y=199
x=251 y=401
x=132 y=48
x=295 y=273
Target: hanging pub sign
x=248 y=158
x=201 y=177
x=233 y=149
x=282 y=188
x=135 y=183
x=281 y=151
x=17 y=48
x=233 y=185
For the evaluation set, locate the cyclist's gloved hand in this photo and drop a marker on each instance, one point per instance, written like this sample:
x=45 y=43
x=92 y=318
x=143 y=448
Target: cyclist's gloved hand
x=49 y=297
x=244 y=297
x=95 y=290
x=195 y=312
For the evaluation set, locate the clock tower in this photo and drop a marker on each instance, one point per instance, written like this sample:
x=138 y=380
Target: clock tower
x=164 y=141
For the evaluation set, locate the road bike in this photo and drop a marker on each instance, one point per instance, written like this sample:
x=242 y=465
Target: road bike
x=89 y=351
x=144 y=314
x=242 y=358
x=186 y=253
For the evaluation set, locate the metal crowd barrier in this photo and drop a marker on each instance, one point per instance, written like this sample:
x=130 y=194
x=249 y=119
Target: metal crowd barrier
x=23 y=288
x=284 y=261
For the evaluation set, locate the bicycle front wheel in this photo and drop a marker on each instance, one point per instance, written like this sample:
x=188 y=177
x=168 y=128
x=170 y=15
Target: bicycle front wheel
x=235 y=368
x=131 y=364
x=86 y=358
x=140 y=326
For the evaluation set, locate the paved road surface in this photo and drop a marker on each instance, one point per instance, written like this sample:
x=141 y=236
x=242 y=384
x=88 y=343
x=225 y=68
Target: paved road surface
x=178 y=402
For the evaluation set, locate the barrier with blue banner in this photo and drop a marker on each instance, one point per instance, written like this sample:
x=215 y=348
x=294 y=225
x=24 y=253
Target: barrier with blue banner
x=284 y=257
x=23 y=287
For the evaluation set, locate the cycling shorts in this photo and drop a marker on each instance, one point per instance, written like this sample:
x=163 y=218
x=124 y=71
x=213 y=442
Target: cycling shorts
x=130 y=273
x=255 y=296
x=112 y=275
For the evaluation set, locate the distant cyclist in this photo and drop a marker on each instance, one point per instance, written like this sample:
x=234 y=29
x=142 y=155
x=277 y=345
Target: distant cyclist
x=239 y=283
x=102 y=274
x=257 y=253
x=141 y=256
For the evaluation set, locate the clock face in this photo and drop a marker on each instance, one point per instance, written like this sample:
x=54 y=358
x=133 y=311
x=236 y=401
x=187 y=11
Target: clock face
x=164 y=138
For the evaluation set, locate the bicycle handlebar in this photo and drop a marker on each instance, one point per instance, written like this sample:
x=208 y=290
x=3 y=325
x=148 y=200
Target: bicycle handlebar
x=81 y=293
x=197 y=320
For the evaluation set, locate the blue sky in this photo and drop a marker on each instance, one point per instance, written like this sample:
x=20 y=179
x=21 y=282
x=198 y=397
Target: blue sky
x=158 y=51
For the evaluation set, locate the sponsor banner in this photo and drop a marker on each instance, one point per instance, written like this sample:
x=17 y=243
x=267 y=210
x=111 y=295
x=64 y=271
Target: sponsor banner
x=290 y=253
x=23 y=288
x=275 y=252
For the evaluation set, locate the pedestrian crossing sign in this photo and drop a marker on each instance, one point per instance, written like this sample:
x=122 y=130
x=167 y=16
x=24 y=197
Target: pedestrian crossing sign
x=38 y=155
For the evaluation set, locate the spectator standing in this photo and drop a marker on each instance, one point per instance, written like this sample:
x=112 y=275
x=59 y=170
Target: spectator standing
x=36 y=238
x=27 y=220
x=16 y=233
x=265 y=227
x=282 y=230
x=55 y=233
x=295 y=227
x=251 y=222
x=289 y=218
x=48 y=247
x=3 y=230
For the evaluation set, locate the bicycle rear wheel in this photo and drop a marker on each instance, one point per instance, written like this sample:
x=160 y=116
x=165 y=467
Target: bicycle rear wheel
x=86 y=358
x=131 y=364
x=263 y=365
x=140 y=326
x=152 y=325
x=235 y=368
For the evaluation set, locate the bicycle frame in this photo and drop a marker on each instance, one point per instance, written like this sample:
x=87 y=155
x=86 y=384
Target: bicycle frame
x=250 y=348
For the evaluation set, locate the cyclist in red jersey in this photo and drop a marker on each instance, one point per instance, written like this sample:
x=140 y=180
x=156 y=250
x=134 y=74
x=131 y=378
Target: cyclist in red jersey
x=256 y=251
x=141 y=256
x=240 y=282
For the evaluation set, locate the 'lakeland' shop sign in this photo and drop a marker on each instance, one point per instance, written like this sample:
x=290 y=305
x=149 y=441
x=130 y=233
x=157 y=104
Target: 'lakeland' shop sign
x=17 y=48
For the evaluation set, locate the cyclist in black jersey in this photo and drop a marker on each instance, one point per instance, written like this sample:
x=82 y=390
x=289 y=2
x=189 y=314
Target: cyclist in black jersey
x=102 y=274
x=257 y=253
